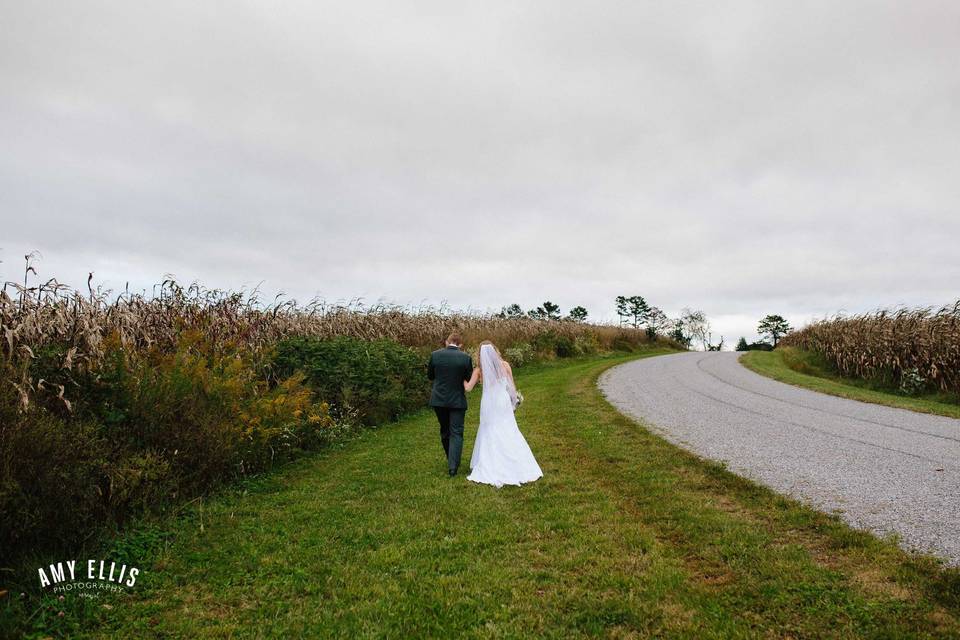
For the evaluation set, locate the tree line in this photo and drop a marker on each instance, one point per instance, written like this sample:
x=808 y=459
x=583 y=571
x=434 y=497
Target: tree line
x=692 y=325
x=547 y=311
x=633 y=311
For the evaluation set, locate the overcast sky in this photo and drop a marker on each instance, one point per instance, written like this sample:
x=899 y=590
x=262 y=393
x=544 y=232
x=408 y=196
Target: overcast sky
x=743 y=158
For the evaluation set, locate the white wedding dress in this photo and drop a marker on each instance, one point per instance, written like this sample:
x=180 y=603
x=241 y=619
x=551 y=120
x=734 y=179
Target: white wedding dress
x=501 y=455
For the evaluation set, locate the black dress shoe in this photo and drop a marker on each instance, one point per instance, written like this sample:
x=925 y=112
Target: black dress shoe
x=453 y=472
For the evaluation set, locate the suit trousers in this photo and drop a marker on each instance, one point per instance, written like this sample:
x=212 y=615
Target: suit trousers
x=451 y=434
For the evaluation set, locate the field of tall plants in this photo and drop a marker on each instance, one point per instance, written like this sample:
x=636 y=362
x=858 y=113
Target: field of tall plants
x=913 y=350
x=75 y=332
x=113 y=406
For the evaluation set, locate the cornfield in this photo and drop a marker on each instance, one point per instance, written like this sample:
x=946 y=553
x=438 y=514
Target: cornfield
x=886 y=345
x=57 y=319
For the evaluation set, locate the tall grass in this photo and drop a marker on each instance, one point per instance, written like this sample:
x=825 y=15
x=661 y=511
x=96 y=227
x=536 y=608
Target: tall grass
x=899 y=347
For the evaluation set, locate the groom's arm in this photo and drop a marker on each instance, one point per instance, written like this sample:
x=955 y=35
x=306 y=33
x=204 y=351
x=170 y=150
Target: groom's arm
x=431 y=372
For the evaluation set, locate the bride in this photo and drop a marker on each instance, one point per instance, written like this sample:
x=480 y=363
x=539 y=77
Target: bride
x=500 y=453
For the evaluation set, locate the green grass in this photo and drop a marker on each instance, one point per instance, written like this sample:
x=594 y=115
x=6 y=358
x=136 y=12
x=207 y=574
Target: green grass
x=804 y=370
x=625 y=536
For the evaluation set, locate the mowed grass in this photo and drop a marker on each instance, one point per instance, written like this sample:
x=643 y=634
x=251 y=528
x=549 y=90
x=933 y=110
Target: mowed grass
x=798 y=368
x=625 y=536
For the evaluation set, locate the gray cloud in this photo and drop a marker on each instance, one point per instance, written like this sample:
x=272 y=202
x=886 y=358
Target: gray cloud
x=743 y=158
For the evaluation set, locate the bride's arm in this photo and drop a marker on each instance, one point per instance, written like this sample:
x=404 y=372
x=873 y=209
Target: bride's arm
x=472 y=382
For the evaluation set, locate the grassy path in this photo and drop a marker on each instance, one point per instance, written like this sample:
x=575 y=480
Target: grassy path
x=773 y=364
x=625 y=536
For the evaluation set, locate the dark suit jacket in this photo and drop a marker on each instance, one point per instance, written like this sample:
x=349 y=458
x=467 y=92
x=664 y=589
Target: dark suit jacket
x=449 y=368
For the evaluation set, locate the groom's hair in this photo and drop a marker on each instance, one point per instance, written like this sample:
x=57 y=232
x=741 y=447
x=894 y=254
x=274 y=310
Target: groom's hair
x=455 y=338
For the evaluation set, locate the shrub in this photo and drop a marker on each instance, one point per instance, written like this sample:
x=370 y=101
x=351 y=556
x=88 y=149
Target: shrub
x=52 y=477
x=545 y=344
x=382 y=380
x=912 y=383
x=564 y=347
x=586 y=345
x=742 y=345
x=209 y=412
x=137 y=482
x=518 y=355
x=144 y=436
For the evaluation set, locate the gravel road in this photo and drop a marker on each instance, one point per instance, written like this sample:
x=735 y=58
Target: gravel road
x=881 y=469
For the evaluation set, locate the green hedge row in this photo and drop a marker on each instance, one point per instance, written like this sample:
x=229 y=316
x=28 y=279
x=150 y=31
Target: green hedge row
x=143 y=437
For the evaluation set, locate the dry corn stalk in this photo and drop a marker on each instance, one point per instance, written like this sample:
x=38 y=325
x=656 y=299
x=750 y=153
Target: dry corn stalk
x=884 y=344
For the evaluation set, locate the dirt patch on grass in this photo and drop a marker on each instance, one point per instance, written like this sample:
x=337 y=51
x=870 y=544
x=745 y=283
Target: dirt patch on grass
x=677 y=617
x=876 y=582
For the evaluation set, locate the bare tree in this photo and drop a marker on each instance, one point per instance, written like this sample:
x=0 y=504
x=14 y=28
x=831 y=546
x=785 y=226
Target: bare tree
x=697 y=326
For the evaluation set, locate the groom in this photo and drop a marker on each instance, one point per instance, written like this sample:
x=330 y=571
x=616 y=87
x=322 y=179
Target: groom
x=449 y=368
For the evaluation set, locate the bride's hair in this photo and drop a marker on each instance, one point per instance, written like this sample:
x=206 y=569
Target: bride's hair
x=501 y=370
x=497 y=351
